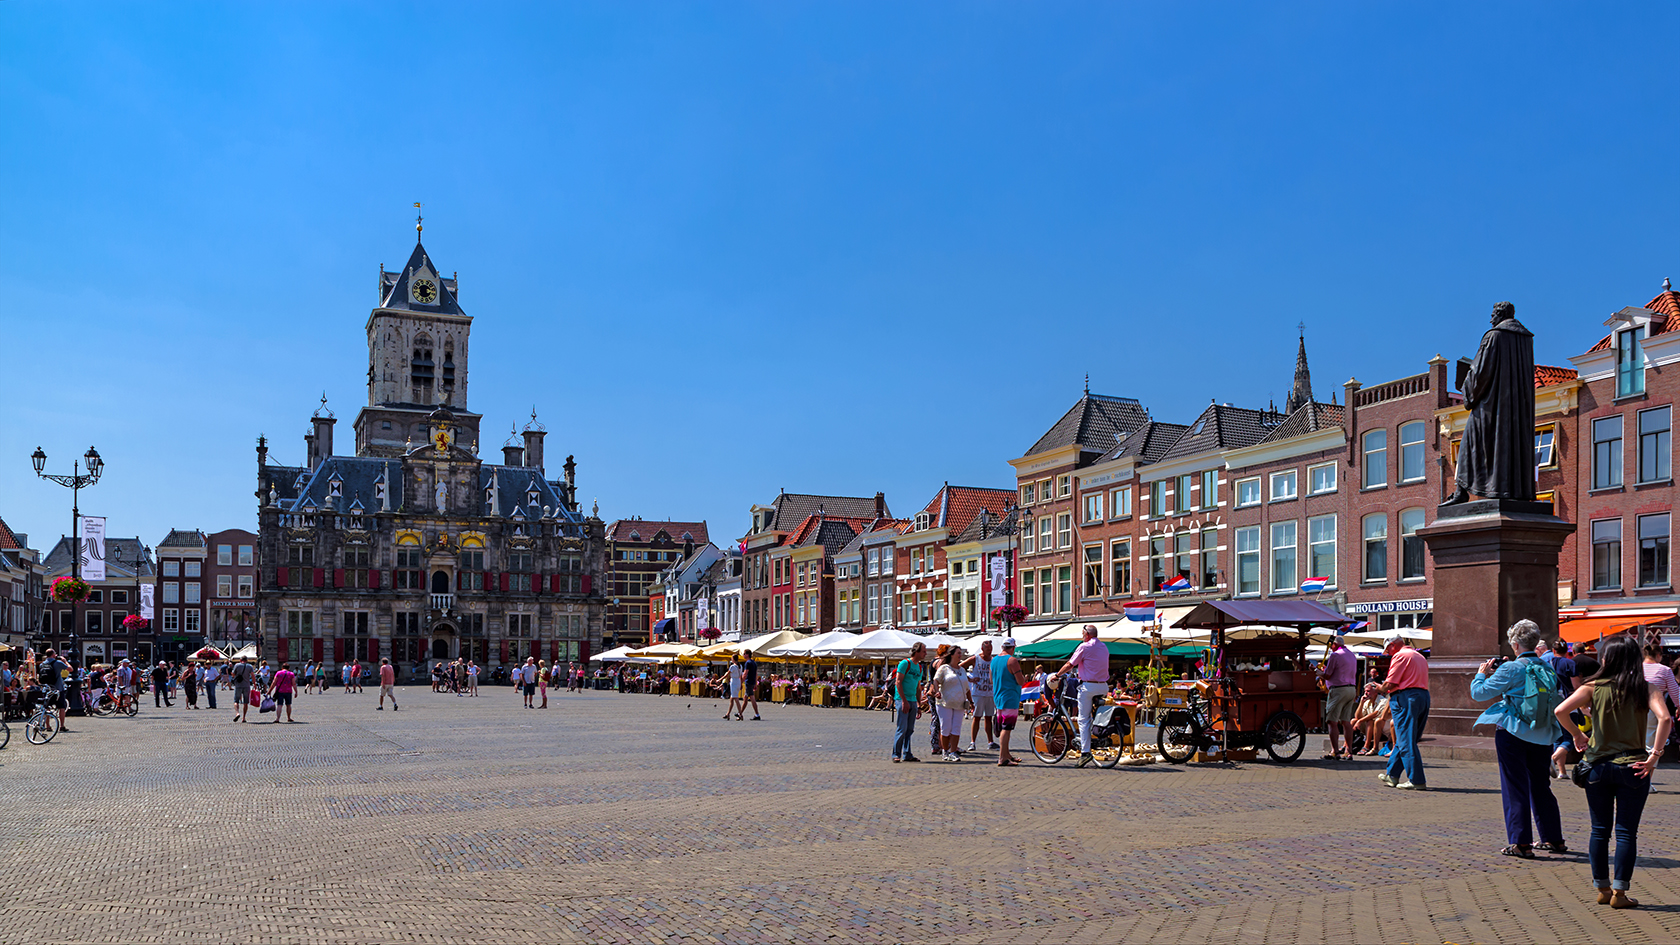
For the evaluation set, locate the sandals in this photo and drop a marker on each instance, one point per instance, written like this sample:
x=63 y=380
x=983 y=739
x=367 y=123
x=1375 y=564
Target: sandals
x=1525 y=853
x=1558 y=847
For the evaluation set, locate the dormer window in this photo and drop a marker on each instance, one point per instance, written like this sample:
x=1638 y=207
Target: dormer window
x=379 y=492
x=922 y=520
x=335 y=488
x=1630 y=362
x=532 y=497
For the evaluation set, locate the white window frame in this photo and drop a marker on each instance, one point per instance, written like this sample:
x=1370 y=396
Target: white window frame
x=1093 y=502
x=1064 y=530
x=1243 y=484
x=1421 y=443
x=1313 y=546
x=1288 y=476
x=1247 y=544
x=1293 y=530
x=1377 y=468
x=1312 y=480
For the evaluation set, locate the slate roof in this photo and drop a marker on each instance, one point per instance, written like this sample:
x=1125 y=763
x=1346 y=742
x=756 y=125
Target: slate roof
x=394 y=287
x=1223 y=427
x=621 y=529
x=1545 y=375
x=1666 y=303
x=187 y=539
x=995 y=527
x=1310 y=417
x=124 y=549
x=833 y=533
x=357 y=476
x=794 y=507
x=1093 y=421
x=1148 y=443
x=885 y=529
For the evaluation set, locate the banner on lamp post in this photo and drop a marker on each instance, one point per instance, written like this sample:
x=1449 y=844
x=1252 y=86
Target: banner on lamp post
x=702 y=614
x=146 y=600
x=93 y=548
x=1000 y=581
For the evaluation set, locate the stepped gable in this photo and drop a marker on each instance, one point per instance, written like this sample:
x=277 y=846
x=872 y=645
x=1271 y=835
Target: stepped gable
x=1094 y=421
x=1224 y=427
x=1666 y=303
x=1310 y=417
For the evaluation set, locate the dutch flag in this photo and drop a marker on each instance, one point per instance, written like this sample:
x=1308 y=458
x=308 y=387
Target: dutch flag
x=1180 y=583
x=1031 y=692
x=1356 y=625
x=1141 y=611
x=1314 y=585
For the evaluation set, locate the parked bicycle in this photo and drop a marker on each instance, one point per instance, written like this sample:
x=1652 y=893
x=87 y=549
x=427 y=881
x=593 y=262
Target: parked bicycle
x=42 y=723
x=1055 y=734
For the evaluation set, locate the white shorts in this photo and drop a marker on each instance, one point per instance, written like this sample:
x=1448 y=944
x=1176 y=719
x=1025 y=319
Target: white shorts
x=983 y=707
x=950 y=720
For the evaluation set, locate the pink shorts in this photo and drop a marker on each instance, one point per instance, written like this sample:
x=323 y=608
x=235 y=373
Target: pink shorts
x=1006 y=719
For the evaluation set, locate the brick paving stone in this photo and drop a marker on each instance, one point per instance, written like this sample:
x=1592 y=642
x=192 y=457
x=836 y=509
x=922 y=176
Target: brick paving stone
x=632 y=819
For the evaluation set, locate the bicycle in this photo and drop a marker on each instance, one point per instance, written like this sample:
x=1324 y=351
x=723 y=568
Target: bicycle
x=1054 y=735
x=42 y=723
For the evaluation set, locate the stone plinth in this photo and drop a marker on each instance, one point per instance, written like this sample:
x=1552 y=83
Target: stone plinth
x=1495 y=564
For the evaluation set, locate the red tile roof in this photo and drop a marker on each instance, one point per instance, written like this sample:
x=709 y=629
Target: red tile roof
x=1666 y=303
x=1545 y=375
x=7 y=538
x=955 y=507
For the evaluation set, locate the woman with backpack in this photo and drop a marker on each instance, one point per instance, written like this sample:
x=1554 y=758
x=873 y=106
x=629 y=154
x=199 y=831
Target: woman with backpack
x=1616 y=698
x=1525 y=691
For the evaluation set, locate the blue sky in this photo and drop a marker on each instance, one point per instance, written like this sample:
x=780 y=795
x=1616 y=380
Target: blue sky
x=730 y=248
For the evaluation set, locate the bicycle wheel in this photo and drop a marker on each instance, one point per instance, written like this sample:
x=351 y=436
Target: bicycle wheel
x=131 y=707
x=1106 y=753
x=35 y=730
x=1177 y=735
x=1286 y=736
x=50 y=723
x=5 y=734
x=1050 y=737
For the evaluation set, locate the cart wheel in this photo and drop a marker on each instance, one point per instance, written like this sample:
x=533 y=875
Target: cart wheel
x=1286 y=736
x=1049 y=738
x=1177 y=735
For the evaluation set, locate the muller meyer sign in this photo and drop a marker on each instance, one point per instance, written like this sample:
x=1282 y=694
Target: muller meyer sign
x=1392 y=606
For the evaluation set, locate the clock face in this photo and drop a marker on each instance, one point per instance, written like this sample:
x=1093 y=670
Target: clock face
x=424 y=291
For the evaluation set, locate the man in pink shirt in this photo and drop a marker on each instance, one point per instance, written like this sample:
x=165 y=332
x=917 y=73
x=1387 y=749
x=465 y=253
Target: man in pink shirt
x=285 y=683
x=387 y=683
x=1408 y=698
x=1090 y=659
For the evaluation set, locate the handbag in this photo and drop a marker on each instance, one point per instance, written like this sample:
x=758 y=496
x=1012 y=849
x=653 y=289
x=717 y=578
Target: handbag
x=1580 y=773
x=267 y=705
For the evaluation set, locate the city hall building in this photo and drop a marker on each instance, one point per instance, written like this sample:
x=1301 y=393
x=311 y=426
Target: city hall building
x=414 y=548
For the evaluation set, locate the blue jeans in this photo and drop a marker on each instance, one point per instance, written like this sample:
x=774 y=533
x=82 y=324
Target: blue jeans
x=1411 y=713
x=906 y=728
x=1615 y=795
x=1525 y=787
x=210 y=691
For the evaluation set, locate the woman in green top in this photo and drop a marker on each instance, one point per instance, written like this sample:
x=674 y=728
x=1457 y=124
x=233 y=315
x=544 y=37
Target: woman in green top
x=1621 y=767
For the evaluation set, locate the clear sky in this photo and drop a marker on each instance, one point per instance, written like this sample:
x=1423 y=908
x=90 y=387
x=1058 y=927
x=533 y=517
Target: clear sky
x=730 y=248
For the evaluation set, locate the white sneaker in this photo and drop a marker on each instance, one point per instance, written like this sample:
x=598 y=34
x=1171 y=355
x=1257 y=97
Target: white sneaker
x=1409 y=786
x=970 y=746
x=1384 y=778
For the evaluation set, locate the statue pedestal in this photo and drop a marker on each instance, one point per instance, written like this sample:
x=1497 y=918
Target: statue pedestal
x=1495 y=564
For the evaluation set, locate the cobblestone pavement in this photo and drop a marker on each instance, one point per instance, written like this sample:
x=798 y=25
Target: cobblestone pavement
x=621 y=818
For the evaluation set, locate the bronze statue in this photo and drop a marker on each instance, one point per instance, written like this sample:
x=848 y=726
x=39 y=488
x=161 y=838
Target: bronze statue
x=1496 y=456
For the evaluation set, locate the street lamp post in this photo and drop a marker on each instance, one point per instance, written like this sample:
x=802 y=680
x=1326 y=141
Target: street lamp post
x=75 y=482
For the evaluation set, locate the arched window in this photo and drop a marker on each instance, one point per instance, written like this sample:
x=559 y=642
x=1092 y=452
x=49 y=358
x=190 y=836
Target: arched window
x=421 y=368
x=1411 y=544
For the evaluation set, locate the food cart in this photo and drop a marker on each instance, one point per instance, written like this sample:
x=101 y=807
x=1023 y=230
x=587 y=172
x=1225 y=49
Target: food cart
x=1257 y=691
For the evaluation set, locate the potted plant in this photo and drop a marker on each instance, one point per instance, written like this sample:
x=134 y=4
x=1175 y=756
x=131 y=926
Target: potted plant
x=135 y=623
x=1009 y=614
x=69 y=590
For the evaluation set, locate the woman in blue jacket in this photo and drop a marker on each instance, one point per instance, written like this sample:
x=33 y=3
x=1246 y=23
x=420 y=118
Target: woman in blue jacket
x=1524 y=748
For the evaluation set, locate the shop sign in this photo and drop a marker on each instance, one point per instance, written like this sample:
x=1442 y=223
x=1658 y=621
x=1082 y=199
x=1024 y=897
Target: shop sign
x=1392 y=606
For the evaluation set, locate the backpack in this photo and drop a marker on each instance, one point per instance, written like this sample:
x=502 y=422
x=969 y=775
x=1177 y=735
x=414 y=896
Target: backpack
x=1539 y=696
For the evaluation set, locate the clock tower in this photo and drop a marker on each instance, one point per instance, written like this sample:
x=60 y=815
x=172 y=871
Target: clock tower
x=417 y=360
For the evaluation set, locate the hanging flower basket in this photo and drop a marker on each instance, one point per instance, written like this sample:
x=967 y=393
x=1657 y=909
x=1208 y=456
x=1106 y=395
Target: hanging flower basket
x=69 y=590
x=135 y=623
x=1009 y=613
x=711 y=633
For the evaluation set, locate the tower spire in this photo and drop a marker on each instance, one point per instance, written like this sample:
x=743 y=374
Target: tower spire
x=417 y=221
x=1302 y=393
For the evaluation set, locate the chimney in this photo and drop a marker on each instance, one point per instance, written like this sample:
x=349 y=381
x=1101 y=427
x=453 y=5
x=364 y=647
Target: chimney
x=322 y=438
x=513 y=455
x=880 y=505
x=309 y=450
x=534 y=448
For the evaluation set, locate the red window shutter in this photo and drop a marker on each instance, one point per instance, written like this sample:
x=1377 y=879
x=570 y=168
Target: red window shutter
x=280 y=642
x=319 y=646
x=338 y=649
x=587 y=582
x=338 y=577
x=583 y=652
x=537 y=583
x=504 y=651
x=489 y=581
x=554 y=583
x=504 y=582
x=280 y=577
x=554 y=652
x=458 y=579
x=320 y=577
x=373 y=579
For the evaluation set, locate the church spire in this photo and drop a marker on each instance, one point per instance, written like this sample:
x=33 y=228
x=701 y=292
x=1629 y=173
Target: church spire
x=1302 y=393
